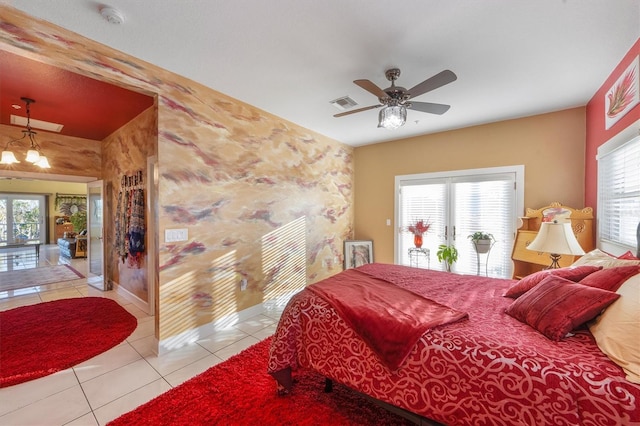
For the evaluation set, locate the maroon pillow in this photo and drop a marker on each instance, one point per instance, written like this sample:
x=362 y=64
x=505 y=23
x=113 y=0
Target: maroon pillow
x=610 y=278
x=628 y=256
x=557 y=305
x=574 y=274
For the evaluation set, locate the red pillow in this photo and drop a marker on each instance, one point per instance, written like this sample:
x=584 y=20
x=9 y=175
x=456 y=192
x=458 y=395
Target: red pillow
x=557 y=305
x=574 y=274
x=628 y=256
x=610 y=278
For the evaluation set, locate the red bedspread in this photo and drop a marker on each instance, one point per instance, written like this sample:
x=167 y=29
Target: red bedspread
x=389 y=318
x=487 y=370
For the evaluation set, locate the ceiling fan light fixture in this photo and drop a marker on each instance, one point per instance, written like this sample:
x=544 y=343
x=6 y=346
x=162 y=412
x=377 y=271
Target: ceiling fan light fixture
x=392 y=117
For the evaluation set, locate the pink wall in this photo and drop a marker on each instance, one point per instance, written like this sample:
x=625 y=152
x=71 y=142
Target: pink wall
x=596 y=132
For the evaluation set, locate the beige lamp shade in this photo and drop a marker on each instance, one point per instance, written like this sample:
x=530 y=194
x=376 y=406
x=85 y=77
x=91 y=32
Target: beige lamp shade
x=557 y=238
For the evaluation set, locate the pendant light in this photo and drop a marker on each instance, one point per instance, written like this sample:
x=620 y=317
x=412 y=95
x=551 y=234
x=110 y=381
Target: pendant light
x=34 y=153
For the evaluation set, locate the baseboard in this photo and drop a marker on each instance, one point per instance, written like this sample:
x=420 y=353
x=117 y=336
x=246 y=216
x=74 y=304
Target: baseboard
x=191 y=336
x=135 y=300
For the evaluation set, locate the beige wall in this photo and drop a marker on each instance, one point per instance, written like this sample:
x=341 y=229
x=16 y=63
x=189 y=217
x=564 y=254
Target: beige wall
x=43 y=187
x=262 y=199
x=550 y=146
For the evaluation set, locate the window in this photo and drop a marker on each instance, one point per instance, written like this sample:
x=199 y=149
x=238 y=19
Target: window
x=619 y=192
x=21 y=217
x=457 y=204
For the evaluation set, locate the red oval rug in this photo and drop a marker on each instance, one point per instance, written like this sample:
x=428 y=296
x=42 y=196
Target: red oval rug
x=42 y=339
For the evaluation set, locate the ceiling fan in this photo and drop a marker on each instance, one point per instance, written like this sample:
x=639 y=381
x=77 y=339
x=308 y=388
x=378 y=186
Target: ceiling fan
x=395 y=99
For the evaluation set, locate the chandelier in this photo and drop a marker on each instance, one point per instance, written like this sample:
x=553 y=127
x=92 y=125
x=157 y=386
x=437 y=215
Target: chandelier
x=34 y=154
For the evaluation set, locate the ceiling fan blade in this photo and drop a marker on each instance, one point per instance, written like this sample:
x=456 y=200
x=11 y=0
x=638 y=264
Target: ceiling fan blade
x=342 y=114
x=438 y=80
x=429 y=107
x=371 y=88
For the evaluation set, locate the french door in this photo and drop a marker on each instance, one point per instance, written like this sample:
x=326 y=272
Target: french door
x=22 y=218
x=457 y=204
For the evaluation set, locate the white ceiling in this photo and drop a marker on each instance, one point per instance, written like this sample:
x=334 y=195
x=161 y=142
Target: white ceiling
x=513 y=58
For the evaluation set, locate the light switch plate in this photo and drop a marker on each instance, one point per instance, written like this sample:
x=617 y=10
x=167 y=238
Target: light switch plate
x=174 y=235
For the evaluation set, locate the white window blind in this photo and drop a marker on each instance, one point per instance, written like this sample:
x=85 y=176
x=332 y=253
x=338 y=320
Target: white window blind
x=619 y=194
x=485 y=204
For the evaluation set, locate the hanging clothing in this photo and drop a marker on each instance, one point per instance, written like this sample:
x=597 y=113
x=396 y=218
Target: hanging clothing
x=130 y=221
x=136 y=232
x=120 y=226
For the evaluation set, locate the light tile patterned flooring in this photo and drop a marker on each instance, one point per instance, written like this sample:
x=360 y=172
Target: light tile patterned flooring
x=117 y=381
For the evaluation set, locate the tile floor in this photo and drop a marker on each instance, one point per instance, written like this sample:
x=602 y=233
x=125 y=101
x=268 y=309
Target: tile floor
x=119 y=380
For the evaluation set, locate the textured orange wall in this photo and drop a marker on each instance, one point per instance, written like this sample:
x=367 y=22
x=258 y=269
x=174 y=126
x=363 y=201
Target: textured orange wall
x=262 y=199
x=124 y=153
x=550 y=146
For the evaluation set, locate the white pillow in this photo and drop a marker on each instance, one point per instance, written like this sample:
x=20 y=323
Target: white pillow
x=599 y=258
x=617 y=330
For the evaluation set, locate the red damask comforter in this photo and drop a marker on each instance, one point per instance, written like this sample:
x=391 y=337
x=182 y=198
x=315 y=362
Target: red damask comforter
x=488 y=369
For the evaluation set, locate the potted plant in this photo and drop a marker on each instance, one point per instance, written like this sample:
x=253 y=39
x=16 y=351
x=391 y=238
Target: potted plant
x=482 y=241
x=448 y=255
x=418 y=229
x=79 y=221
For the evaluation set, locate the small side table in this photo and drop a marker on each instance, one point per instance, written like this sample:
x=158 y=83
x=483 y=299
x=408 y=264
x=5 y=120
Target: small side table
x=417 y=254
x=81 y=246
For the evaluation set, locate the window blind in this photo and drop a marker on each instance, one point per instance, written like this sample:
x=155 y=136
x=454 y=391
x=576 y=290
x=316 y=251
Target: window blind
x=487 y=205
x=619 y=194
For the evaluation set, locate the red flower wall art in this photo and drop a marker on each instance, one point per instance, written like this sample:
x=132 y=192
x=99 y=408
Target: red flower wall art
x=623 y=95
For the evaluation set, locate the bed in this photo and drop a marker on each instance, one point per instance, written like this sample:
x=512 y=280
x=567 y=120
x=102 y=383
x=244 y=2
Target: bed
x=481 y=367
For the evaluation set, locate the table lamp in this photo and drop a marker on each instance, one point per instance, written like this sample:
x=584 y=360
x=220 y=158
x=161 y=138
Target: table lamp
x=556 y=239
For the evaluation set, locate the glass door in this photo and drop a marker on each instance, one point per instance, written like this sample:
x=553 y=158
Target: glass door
x=21 y=218
x=4 y=219
x=95 y=235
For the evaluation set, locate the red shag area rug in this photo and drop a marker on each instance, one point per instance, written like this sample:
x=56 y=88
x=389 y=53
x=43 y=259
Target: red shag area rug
x=45 y=338
x=240 y=392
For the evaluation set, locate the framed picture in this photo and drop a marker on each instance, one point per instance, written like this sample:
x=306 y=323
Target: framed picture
x=357 y=253
x=623 y=95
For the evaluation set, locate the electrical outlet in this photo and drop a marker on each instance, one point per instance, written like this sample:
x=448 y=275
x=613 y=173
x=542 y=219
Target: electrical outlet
x=173 y=235
x=243 y=284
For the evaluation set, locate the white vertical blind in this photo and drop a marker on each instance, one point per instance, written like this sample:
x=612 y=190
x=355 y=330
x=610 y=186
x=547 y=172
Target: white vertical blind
x=426 y=200
x=619 y=194
x=487 y=204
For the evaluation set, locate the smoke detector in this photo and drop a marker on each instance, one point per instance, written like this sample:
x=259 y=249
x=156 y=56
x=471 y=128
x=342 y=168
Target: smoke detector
x=113 y=16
